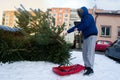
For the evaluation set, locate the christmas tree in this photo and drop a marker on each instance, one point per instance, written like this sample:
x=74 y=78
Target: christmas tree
x=44 y=42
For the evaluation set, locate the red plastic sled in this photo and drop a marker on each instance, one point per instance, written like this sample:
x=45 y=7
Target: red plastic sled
x=67 y=70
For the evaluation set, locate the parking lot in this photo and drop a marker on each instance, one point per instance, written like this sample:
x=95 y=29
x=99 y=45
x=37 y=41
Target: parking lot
x=103 y=53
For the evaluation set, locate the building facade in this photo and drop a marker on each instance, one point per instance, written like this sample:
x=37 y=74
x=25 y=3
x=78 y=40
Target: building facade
x=61 y=15
x=108 y=25
x=108 y=22
x=9 y=18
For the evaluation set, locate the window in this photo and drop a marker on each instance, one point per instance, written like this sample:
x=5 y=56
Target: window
x=65 y=19
x=6 y=23
x=6 y=20
x=54 y=15
x=60 y=15
x=118 y=31
x=99 y=42
x=66 y=11
x=118 y=42
x=106 y=42
x=105 y=31
x=66 y=15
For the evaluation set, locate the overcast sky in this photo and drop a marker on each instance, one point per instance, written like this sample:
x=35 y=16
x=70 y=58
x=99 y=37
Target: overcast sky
x=44 y=4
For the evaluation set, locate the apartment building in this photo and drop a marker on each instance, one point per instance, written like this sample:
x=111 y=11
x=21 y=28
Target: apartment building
x=9 y=18
x=67 y=16
x=61 y=15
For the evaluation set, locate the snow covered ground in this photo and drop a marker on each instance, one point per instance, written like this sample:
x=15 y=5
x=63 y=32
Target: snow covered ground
x=105 y=69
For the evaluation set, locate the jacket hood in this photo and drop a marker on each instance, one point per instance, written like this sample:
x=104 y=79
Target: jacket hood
x=85 y=11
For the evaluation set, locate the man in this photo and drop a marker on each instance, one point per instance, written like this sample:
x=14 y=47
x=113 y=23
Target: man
x=89 y=31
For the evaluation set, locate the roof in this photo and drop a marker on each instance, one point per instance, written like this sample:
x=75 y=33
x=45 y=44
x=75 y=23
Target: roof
x=6 y=28
x=106 y=13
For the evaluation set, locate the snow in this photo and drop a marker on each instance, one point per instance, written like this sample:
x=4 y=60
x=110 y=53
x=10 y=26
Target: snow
x=105 y=69
x=6 y=28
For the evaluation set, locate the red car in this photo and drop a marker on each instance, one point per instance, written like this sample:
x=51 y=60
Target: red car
x=102 y=45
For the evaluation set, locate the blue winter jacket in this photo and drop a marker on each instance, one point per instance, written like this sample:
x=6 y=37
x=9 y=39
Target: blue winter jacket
x=87 y=24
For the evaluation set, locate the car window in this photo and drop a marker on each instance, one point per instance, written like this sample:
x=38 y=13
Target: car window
x=106 y=42
x=118 y=42
x=99 y=42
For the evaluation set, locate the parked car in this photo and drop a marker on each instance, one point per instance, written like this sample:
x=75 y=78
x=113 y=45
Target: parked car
x=113 y=51
x=102 y=45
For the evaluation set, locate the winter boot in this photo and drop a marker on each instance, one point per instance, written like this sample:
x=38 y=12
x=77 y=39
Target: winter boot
x=88 y=71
